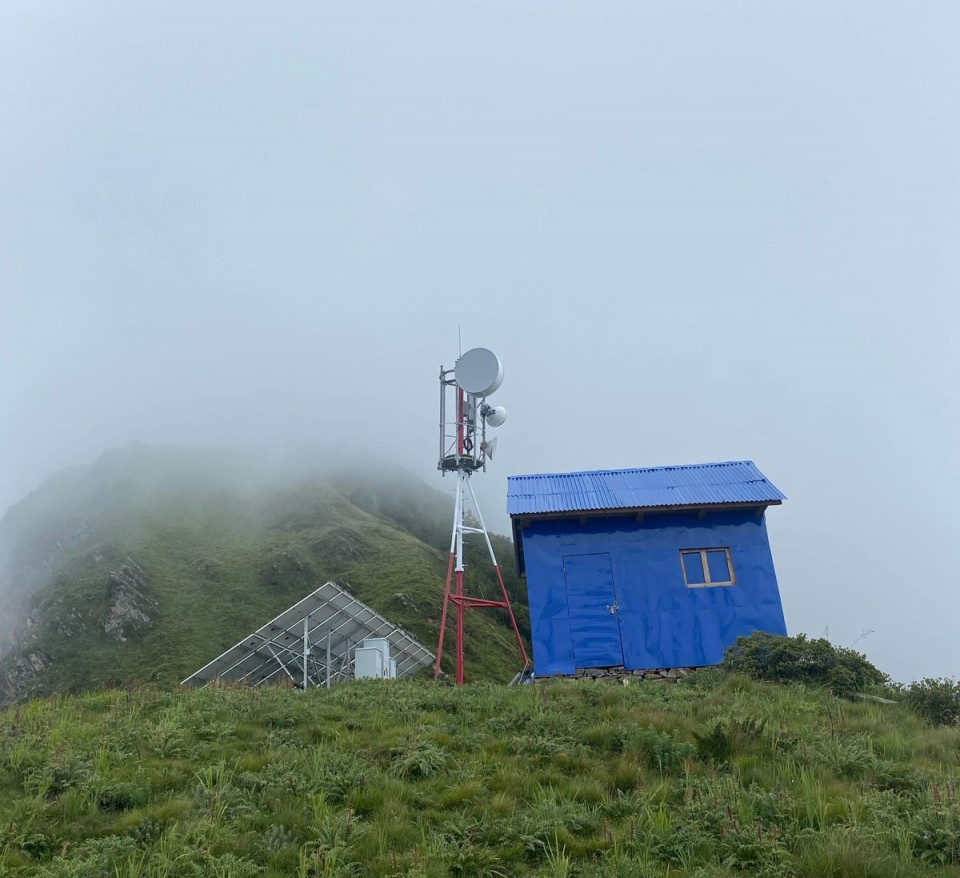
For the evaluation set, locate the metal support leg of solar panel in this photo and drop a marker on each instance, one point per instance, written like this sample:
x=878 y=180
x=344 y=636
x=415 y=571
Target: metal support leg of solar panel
x=315 y=643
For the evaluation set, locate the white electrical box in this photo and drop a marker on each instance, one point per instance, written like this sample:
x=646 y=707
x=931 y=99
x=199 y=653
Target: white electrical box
x=371 y=660
x=367 y=663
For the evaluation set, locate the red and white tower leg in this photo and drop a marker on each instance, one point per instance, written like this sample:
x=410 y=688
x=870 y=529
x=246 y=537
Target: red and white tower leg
x=454 y=589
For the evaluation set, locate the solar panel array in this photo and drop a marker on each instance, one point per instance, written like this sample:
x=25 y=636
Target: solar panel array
x=336 y=622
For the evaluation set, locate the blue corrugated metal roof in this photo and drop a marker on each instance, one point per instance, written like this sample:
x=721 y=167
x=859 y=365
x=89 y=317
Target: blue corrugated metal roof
x=737 y=481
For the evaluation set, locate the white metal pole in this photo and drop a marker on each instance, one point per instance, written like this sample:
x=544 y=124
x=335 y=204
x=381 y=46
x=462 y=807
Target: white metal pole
x=329 y=638
x=463 y=477
x=483 y=527
x=306 y=648
x=456 y=515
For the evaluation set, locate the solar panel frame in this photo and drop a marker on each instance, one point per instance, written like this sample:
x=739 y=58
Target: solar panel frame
x=276 y=648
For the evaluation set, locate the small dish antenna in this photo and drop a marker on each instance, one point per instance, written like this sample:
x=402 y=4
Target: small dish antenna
x=478 y=372
x=494 y=415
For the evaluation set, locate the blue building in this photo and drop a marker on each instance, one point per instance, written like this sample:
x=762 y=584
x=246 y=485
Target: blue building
x=644 y=568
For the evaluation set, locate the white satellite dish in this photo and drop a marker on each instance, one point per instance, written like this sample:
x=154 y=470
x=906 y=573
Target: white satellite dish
x=495 y=415
x=490 y=448
x=478 y=372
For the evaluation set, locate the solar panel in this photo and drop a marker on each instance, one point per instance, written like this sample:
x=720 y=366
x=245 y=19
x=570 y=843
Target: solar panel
x=295 y=645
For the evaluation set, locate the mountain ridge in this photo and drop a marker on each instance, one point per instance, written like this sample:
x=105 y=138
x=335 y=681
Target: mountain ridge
x=145 y=565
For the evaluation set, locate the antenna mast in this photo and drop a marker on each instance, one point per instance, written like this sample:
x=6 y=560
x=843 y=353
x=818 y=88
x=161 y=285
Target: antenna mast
x=464 y=450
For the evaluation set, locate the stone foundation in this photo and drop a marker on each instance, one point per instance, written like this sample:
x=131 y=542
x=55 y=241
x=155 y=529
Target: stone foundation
x=625 y=677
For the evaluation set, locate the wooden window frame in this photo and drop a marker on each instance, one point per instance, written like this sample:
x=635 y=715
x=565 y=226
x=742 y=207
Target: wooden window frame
x=706 y=567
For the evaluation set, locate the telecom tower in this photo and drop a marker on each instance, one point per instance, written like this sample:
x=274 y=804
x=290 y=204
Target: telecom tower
x=464 y=450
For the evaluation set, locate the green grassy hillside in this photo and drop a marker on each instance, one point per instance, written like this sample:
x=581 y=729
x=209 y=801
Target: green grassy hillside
x=716 y=776
x=145 y=566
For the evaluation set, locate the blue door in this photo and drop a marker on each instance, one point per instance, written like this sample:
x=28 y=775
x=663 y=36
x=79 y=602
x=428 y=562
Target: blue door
x=594 y=618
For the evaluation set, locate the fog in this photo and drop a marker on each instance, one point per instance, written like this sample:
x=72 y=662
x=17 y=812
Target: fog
x=692 y=232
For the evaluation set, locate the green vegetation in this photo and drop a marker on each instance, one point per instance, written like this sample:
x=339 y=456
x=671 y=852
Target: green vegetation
x=138 y=570
x=819 y=663
x=210 y=549
x=796 y=659
x=719 y=775
x=936 y=700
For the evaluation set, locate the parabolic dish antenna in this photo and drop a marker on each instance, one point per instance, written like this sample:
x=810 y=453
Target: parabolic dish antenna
x=495 y=415
x=478 y=371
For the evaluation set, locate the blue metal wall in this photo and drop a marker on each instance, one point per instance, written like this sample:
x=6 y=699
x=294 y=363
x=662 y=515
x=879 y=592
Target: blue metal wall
x=635 y=567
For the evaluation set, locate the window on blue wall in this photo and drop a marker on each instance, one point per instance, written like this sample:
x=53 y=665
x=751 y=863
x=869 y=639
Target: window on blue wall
x=705 y=567
x=693 y=567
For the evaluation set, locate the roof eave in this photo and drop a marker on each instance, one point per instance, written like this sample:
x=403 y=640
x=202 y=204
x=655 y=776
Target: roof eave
x=643 y=510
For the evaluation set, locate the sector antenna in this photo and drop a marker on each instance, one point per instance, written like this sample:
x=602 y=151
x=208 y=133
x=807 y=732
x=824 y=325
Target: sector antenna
x=465 y=416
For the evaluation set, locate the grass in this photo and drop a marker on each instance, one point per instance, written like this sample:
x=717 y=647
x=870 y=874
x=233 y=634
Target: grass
x=717 y=776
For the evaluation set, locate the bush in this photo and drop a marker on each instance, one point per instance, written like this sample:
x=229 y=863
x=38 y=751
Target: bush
x=936 y=700
x=334 y=774
x=935 y=834
x=658 y=749
x=418 y=760
x=726 y=737
x=799 y=660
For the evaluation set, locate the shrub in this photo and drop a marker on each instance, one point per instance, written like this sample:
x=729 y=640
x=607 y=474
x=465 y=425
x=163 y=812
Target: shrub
x=551 y=817
x=935 y=832
x=418 y=760
x=334 y=773
x=726 y=736
x=659 y=749
x=119 y=796
x=815 y=662
x=716 y=744
x=936 y=700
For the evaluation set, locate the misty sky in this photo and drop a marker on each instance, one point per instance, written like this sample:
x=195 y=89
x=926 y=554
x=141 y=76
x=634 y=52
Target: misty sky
x=693 y=232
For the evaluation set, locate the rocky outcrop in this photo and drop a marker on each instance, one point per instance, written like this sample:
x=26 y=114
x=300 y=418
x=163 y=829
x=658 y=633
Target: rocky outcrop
x=18 y=674
x=132 y=609
x=116 y=607
x=285 y=568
